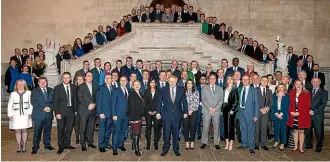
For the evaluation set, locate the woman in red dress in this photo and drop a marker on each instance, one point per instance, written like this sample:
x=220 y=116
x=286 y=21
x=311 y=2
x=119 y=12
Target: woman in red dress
x=299 y=117
x=121 y=29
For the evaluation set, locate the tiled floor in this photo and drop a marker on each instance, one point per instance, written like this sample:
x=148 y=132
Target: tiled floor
x=8 y=152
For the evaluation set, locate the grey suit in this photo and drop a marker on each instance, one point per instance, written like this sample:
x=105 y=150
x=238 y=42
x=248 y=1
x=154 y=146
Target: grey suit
x=80 y=72
x=260 y=135
x=169 y=17
x=214 y=100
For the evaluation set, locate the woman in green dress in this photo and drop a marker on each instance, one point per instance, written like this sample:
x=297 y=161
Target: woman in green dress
x=205 y=24
x=184 y=66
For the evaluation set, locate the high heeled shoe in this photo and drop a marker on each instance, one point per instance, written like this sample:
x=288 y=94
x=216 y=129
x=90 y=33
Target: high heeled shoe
x=293 y=150
x=301 y=152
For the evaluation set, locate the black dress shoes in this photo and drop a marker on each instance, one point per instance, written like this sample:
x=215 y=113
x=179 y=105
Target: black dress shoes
x=109 y=147
x=92 y=146
x=217 y=147
x=177 y=153
x=203 y=146
x=60 y=151
x=318 y=150
x=156 y=146
x=115 y=152
x=199 y=137
x=101 y=149
x=34 y=152
x=241 y=147
x=251 y=151
x=77 y=141
x=49 y=148
x=265 y=148
x=163 y=153
x=69 y=147
x=222 y=138
x=83 y=148
x=308 y=147
x=122 y=148
x=256 y=147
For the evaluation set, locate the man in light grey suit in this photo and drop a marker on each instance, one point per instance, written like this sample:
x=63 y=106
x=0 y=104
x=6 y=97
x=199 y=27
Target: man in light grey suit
x=82 y=72
x=248 y=113
x=184 y=79
x=167 y=16
x=266 y=103
x=212 y=99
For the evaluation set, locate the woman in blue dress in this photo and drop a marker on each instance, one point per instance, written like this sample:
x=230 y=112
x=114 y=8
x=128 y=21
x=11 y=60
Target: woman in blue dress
x=12 y=74
x=26 y=75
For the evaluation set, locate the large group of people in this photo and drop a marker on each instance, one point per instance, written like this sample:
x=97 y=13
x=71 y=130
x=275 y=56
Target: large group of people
x=224 y=104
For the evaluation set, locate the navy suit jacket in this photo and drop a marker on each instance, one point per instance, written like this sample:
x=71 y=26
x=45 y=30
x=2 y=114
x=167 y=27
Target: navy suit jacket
x=285 y=103
x=119 y=103
x=126 y=71
x=170 y=110
x=177 y=73
x=230 y=70
x=158 y=84
x=138 y=74
x=39 y=102
x=252 y=107
x=100 y=39
x=301 y=58
x=103 y=102
x=96 y=76
x=154 y=75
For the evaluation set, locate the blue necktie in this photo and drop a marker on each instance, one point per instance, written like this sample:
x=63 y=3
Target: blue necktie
x=45 y=93
x=243 y=97
x=221 y=83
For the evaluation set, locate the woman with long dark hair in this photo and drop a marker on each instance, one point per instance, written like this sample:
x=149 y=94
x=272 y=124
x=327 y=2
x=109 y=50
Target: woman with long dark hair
x=78 y=48
x=189 y=123
x=12 y=74
x=229 y=109
x=150 y=97
x=135 y=114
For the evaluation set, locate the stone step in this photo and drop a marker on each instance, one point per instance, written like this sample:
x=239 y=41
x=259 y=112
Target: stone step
x=326 y=122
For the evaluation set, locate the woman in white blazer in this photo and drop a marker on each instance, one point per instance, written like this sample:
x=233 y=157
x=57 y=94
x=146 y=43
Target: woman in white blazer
x=19 y=113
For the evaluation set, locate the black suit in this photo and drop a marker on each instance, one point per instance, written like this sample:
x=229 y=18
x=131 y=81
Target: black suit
x=156 y=16
x=66 y=108
x=191 y=17
x=254 y=53
x=177 y=73
x=319 y=101
x=87 y=117
x=18 y=61
x=292 y=62
x=221 y=36
x=145 y=17
x=59 y=59
x=214 y=29
x=176 y=17
x=319 y=75
x=244 y=48
x=304 y=60
x=308 y=85
x=308 y=70
x=150 y=105
x=136 y=18
x=80 y=72
x=155 y=74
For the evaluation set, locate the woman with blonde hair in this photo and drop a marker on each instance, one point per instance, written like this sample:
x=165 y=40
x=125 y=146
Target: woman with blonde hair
x=184 y=67
x=38 y=70
x=299 y=117
x=235 y=42
x=88 y=46
x=194 y=68
x=280 y=115
x=229 y=109
x=19 y=113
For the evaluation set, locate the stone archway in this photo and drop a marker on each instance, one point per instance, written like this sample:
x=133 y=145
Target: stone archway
x=148 y=2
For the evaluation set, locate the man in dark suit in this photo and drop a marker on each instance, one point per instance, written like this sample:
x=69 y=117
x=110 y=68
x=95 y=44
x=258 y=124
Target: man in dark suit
x=147 y=16
x=304 y=55
x=264 y=57
x=184 y=79
x=155 y=73
x=114 y=79
x=118 y=67
x=139 y=70
x=220 y=78
x=96 y=71
x=179 y=16
x=86 y=108
x=127 y=68
x=42 y=114
x=39 y=49
x=245 y=46
x=224 y=67
x=213 y=27
x=292 y=58
x=101 y=37
x=174 y=69
x=104 y=114
x=145 y=81
x=59 y=59
x=17 y=57
x=157 y=14
x=82 y=72
x=172 y=107
x=137 y=17
x=191 y=16
x=235 y=67
x=119 y=106
x=162 y=80
x=265 y=103
x=302 y=76
x=316 y=74
x=25 y=55
x=319 y=101
x=293 y=72
x=248 y=113
x=65 y=109
x=308 y=67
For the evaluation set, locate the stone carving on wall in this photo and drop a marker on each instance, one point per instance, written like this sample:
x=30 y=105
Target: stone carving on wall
x=282 y=62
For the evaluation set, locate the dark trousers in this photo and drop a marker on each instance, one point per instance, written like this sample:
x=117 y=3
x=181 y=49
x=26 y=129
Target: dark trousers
x=77 y=126
x=222 y=128
x=105 y=129
x=39 y=126
x=261 y=125
x=189 y=127
x=280 y=131
x=171 y=126
x=318 y=125
x=157 y=128
x=64 y=131
x=87 y=125
x=120 y=128
x=198 y=121
x=229 y=125
x=238 y=131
